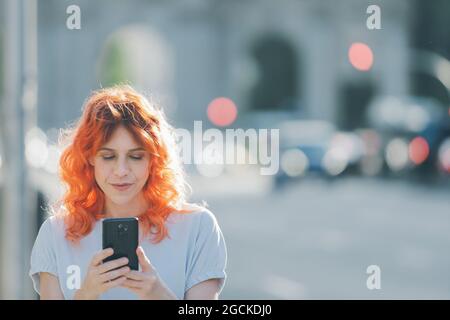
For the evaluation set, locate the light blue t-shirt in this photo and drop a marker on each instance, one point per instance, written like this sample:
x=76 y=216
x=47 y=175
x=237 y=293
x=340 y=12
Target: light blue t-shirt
x=195 y=252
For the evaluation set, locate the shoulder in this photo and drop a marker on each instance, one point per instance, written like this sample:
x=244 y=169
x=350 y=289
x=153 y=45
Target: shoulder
x=53 y=225
x=199 y=223
x=199 y=216
x=50 y=233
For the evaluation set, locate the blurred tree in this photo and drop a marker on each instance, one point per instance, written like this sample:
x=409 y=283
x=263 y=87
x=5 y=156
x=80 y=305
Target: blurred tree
x=113 y=69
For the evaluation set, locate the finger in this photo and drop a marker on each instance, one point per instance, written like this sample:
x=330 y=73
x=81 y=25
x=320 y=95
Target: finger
x=131 y=284
x=144 y=262
x=115 y=283
x=136 y=276
x=110 y=265
x=134 y=290
x=101 y=255
x=111 y=275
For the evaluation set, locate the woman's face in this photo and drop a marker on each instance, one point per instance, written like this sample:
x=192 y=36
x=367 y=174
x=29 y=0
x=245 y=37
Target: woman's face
x=121 y=161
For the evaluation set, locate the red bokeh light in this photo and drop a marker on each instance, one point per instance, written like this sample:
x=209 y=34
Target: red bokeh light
x=418 y=150
x=360 y=56
x=222 y=111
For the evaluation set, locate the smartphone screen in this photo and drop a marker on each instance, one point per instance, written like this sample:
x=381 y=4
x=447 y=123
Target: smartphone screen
x=122 y=235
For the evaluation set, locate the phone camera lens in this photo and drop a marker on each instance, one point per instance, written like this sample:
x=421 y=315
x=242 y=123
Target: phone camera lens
x=120 y=226
x=125 y=228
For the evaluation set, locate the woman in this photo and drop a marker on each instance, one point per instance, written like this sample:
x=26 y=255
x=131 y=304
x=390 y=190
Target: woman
x=121 y=160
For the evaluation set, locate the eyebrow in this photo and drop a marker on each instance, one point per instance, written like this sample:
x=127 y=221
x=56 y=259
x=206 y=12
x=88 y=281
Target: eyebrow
x=109 y=149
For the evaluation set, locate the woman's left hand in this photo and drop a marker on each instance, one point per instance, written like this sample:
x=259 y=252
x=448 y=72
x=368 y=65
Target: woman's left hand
x=147 y=284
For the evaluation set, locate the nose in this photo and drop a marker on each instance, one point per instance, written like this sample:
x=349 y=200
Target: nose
x=121 y=168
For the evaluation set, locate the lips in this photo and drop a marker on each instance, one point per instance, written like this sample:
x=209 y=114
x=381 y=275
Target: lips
x=122 y=186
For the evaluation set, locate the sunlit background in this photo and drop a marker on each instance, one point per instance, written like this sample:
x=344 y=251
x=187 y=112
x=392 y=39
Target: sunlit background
x=363 y=114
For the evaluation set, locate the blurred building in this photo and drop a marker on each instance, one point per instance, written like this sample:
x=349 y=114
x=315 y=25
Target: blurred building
x=289 y=57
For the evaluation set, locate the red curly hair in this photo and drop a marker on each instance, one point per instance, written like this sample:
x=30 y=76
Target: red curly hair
x=103 y=112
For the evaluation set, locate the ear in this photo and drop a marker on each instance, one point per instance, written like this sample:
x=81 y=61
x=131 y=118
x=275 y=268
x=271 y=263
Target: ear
x=91 y=161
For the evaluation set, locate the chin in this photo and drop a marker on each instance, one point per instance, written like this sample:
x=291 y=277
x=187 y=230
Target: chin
x=118 y=200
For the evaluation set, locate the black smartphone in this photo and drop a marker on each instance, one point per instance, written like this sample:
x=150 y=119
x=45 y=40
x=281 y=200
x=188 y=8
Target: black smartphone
x=122 y=234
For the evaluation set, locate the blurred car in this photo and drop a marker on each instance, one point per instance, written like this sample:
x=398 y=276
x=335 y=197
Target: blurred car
x=411 y=130
x=315 y=147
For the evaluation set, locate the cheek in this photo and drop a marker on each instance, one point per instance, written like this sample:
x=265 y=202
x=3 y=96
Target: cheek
x=141 y=171
x=101 y=173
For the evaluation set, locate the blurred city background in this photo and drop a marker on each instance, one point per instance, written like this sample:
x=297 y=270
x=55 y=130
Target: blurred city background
x=361 y=97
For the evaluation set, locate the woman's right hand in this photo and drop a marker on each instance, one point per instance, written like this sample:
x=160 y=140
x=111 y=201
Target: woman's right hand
x=101 y=277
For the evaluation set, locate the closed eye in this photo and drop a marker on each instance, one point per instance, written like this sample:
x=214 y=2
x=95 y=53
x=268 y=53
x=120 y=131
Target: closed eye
x=132 y=157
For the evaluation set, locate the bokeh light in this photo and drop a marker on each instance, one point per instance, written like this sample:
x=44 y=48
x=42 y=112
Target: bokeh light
x=51 y=165
x=335 y=161
x=397 y=154
x=211 y=165
x=418 y=150
x=350 y=143
x=222 y=111
x=294 y=162
x=36 y=150
x=360 y=56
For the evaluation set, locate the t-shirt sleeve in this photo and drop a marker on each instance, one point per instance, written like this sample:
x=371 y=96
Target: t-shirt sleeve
x=43 y=257
x=208 y=257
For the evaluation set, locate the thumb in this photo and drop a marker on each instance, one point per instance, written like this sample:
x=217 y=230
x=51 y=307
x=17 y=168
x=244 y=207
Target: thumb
x=145 y=264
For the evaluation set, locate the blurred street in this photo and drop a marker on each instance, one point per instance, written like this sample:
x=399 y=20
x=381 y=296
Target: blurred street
x=315 y=240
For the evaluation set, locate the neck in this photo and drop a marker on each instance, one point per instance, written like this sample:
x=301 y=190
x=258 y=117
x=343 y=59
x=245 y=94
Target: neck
x=131 y=209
